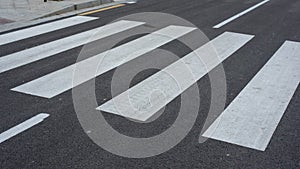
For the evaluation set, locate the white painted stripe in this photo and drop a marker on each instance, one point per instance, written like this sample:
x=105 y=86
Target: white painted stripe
x=252 y=117
x=41 y=29
x=22 y=127
x=173 y=80
x=27 y=56
x=62 y=80
x=240 y=14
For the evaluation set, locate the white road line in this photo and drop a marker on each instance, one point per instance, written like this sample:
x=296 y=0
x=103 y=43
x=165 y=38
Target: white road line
x=173 y=80
x=22 y=127
x=44 y=28
x=240 y=14
x=62 y=80
x=252 y=117
x=27 y=56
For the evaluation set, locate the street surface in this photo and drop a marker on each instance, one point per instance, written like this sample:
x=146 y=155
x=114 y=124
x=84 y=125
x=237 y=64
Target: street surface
x=49 y=72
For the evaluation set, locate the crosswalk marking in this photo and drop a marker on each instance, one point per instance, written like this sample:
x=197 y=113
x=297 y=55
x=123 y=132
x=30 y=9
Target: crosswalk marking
x=174 y=79
x=22 y=126
x=252 y=117
x=27 y=56
x=249 y=121
x=44 y=28
x=62 y=80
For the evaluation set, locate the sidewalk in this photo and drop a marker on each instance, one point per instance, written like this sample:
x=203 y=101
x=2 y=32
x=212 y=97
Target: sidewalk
x=26 y=10
x=15 y=14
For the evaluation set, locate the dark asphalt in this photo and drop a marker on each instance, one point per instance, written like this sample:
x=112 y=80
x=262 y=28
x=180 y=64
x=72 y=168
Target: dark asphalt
x=60 y=142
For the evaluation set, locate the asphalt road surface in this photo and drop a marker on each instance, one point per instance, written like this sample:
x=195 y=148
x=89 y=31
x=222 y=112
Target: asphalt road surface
x=257 y=42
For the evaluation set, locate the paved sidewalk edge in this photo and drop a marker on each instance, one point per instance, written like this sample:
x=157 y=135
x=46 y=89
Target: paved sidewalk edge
x=62 y=13
x=77 y=6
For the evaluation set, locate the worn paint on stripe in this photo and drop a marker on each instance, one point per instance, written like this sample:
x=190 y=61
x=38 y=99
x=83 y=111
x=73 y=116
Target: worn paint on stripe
x=23 y=126
x=27 y=56
x=174 y=79
x=240 y=14
x=252 y=117
x=62 y=80
x=102 y=9
x=44 y=28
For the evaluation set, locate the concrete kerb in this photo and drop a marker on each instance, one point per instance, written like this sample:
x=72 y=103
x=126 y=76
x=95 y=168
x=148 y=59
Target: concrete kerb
x=62 y=13
x=81 y=5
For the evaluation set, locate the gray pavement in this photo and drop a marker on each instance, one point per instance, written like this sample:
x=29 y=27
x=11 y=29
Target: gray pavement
x=26 y=10
x=259 y=51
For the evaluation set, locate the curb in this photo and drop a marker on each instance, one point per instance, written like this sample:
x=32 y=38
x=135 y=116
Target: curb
x=78 y=6
x=62 y=13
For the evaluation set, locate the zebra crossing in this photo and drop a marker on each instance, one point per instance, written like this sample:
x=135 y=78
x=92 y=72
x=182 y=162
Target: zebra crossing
x=62 y=79
x=41 y=29
x=174 y=79
x=30 y=55
x=249 y=121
